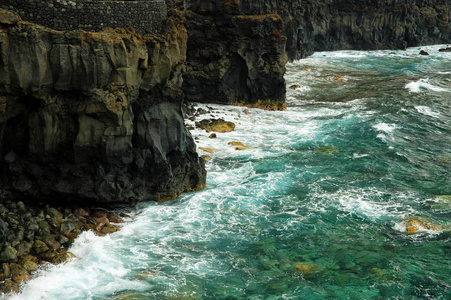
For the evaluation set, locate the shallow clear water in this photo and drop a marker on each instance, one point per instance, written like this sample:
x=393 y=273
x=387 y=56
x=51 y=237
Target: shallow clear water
x=315 y=209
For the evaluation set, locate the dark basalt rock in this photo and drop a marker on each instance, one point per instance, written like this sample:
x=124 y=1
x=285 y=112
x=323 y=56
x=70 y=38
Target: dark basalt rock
x=233 y=57
x=94 y=117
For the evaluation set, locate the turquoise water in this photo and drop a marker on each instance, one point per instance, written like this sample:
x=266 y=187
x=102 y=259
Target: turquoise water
x=317 y=208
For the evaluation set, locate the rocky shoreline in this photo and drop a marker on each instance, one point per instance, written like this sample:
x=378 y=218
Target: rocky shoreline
x=35 y=235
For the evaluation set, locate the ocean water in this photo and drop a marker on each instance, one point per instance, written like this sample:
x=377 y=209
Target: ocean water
x=317 y=207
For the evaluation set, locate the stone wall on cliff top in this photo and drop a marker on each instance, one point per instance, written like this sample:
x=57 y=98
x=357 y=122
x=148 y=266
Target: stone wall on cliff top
x=94 y=117
x=236 y=53
x=91 y=15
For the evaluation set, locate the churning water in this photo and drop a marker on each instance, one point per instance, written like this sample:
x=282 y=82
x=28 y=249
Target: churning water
x=343 y=196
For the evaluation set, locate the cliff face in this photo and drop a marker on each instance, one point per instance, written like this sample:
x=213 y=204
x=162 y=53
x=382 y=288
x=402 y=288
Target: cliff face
x=234 y=57
x=94 y=116
x=97 y=116
x=363 y=24
x=250 y=40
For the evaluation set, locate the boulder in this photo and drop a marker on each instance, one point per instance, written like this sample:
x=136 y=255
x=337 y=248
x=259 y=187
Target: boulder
x=217 y=125
x=114 y=218
x=418 y=224
x=8 y=254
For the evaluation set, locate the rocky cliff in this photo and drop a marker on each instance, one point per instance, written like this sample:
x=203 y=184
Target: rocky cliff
x=237 y=49
x=90 y=116
x=363 y=24
x=97 y=116
x=233 y=57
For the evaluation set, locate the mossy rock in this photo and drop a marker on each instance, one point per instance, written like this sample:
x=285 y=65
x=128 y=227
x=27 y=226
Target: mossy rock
x=9 y=286
x=216 y=125
x=265 y=105
x=109 y=228
x=18 y=273
x=29 y=265
x=62 y=258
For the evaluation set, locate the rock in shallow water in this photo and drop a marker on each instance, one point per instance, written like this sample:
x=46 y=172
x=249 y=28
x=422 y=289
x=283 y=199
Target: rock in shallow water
x=217 y=125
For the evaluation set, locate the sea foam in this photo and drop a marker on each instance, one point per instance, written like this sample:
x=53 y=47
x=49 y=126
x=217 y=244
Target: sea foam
x=423 y=84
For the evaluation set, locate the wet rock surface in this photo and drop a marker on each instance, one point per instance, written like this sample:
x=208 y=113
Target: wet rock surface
x=35 y=235
x=234 y=56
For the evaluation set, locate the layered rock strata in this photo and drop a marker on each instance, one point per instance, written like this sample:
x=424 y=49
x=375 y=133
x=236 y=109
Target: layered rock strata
x=94 y=117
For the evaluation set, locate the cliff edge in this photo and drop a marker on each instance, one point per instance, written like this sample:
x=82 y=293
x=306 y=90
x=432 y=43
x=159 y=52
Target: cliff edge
x=94 y=116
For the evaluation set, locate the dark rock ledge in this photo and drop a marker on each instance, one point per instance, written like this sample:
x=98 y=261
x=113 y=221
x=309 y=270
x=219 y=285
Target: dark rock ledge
x=34 y=235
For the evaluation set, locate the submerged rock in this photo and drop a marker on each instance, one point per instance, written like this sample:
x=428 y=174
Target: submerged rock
x=208 y=150
x=306 y=268
x=441 y=202
x=339 y=78
x=327 y=150
x=239 y=146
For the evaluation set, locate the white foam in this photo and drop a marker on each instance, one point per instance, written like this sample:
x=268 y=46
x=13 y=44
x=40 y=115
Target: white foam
x=384 y=127
x=427 y=111
x=96 y=270
x=371 y=204
x=423 y=84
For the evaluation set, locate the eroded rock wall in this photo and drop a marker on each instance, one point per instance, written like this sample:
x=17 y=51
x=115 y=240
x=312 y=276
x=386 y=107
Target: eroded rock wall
x=363 y=24
x=234 y=57
x=95 y=117
x=250 y=40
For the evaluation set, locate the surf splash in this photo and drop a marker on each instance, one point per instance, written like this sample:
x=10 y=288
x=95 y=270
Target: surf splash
x=316 y=206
